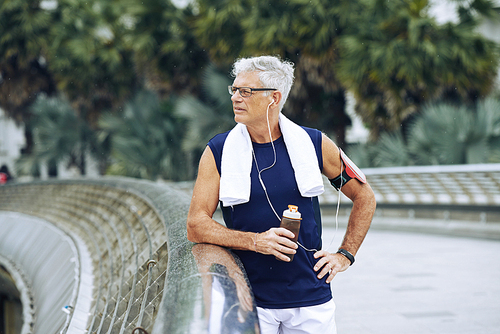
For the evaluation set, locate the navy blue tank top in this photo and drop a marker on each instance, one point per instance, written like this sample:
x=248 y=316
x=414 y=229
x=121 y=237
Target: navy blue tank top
x=278 y=284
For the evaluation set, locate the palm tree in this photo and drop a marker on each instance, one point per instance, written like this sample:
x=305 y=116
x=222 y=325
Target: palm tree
x=167 y=57
x=88 y=56
x=471 y=12
x=218 y=28
x=59 y=136
x=442 y=133
x=146 y=140
x=307 y=33
x=24 y=30
x=209 y=115
x=395 y=59
x=457 y=134
x=484 y=132
x=448 y=134
x=391 y=150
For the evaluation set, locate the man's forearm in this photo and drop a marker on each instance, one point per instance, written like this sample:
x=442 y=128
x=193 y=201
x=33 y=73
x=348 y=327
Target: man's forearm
x=206 y=230
x=359 y=222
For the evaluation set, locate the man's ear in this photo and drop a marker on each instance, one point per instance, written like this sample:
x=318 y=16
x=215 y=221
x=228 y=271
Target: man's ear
x=276 y=96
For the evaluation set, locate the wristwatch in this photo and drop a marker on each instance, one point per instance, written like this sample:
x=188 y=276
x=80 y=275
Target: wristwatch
x=348 y=255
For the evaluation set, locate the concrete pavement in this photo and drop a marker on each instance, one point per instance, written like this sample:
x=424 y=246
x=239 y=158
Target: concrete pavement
x=413 y=283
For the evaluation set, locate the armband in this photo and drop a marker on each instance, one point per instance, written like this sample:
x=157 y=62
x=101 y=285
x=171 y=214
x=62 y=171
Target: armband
x=340 y=180
x=351 y=171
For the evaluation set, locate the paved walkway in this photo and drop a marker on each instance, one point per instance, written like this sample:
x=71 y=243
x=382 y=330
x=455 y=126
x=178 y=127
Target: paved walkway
x=411 y=283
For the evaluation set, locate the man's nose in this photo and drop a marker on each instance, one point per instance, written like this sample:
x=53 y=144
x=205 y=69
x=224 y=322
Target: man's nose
x=236 y=96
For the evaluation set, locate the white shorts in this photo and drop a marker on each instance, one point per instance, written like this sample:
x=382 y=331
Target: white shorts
x=300 y=320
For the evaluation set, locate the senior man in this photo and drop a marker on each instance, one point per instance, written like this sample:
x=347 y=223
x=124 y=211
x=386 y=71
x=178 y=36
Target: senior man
x=265 y=163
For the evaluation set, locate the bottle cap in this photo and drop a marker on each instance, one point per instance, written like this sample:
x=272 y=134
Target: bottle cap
x=292 y=212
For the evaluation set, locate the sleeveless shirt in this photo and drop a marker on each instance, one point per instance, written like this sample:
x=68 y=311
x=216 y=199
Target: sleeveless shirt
x=277 y=284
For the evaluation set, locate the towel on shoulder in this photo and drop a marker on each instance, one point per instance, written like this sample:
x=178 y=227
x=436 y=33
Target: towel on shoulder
x=236 y=163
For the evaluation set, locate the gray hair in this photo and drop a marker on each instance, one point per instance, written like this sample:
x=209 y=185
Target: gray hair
x=272 y=72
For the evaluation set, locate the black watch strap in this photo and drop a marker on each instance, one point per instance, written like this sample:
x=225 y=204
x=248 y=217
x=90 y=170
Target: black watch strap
x=348 y=255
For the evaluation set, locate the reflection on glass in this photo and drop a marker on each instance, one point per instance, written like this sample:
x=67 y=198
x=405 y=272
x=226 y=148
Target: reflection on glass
x=229 y=306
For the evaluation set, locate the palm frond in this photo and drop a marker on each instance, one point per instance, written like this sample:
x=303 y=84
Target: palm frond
x=449 y=134
x=208 y=117
x=144 y=140
x=391 y=150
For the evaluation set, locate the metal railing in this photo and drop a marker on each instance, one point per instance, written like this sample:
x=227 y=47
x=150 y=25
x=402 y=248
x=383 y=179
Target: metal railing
x=147 y=275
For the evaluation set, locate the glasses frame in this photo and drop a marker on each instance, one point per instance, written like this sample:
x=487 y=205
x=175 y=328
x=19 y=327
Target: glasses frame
x=230 y=89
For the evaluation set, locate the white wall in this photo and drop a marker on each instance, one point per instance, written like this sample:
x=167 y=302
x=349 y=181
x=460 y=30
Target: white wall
x=356 y=133
x=11 y=141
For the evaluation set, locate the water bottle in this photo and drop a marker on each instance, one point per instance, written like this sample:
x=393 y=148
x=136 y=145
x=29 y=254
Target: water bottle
x=291 y=221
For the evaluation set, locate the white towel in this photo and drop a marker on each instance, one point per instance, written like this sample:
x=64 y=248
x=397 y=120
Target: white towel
x=236 y=163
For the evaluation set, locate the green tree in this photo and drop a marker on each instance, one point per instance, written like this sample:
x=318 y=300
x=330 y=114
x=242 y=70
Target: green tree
x=218 y=28
x=391 y=150
x=167 y=57
x=60 y=136
x=146 y=140
x=212 y=113
x=447 y=134
x=24 y=31
x=396 y=58
x=24 y=28
x=442 y=134
x=88 y=56
x=471 y=12
x=306 y=32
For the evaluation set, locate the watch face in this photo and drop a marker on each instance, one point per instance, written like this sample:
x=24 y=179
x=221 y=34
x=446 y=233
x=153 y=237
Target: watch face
x=352 y=170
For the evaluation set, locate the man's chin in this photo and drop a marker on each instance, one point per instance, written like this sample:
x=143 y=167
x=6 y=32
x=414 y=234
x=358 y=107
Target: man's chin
x=239 y=119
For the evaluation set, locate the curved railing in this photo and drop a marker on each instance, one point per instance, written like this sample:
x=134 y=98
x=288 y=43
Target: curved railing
x=133 y=269
x=145 y=275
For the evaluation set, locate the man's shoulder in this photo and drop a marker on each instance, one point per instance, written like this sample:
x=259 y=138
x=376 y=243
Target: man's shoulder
x=218 y=139
x=315 y=134
x=310 y=130
x=216 y=144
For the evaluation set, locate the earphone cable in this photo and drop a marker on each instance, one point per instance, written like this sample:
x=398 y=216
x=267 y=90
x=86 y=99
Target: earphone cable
x=262 y=182
x=338 y=207
x=267 y=195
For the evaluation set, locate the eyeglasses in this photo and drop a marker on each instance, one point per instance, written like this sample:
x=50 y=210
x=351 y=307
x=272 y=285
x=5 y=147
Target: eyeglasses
x=246 y=91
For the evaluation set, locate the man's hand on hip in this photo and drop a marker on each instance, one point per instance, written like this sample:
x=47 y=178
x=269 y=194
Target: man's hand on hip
x=329 y=263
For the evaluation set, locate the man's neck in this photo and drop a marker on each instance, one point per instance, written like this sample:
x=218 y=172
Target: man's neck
x=260 y=135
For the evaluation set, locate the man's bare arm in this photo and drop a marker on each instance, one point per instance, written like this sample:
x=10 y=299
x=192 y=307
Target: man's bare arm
x=360 y=218
x=201 y=228
x=361 y=195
